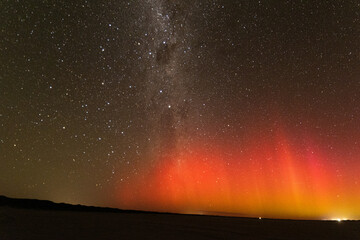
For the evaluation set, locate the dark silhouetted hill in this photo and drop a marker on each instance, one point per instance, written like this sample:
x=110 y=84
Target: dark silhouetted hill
x=49 y=205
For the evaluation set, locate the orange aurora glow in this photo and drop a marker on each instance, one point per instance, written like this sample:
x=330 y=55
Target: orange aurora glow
x=273 y=178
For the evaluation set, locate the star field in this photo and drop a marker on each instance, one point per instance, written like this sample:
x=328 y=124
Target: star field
x=150 y=104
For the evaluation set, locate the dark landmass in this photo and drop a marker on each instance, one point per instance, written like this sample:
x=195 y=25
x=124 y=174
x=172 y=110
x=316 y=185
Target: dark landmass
x=39 y=219
x=49 y=205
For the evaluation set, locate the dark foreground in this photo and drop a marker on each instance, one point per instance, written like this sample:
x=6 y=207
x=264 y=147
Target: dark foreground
x=52 y=221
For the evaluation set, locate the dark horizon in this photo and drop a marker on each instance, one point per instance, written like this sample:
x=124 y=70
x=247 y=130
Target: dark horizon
x=62 y=221
x=43 y=204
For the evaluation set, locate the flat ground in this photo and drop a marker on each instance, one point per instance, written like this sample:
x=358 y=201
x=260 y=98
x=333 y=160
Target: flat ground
x=17 y=223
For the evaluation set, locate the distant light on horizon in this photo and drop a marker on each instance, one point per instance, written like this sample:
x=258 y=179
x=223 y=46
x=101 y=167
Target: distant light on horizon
x=339 y=219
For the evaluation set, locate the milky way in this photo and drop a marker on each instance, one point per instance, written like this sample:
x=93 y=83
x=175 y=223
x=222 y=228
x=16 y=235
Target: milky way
x=167 y=97
x=249 y=108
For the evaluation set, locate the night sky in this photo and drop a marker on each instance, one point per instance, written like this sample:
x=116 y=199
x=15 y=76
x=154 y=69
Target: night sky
x=242 y=107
